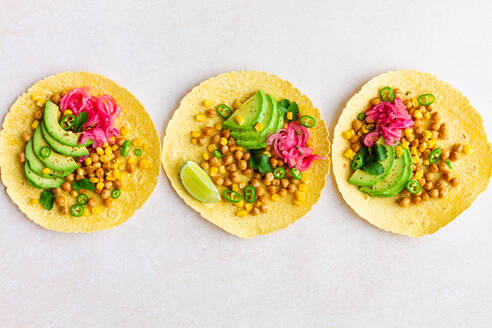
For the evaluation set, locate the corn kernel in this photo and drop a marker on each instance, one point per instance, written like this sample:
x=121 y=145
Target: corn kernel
x=218 y=126
x=242 y=185
x=46 y=171
x=122 y=166
x=466 y=149
x=211 y=148
x=236 y=104
x=417 y=114
x=206 y=156
x=109 y=178
x=259 y=126
x=213 y=171
x=267 y=153
x=349 y=153
x=364 y=129
x=223 y=141
x=415 y=103
x=112 y=139
x=75 y=194
x=248 y=207
x=114 y=147
x=405 y=144
x=88 y=161
x=124 y=131
x=427 y=134
x=100 y=185
x=207 y=103
x=298 y=195
x=416 y=160
x=117 y=174
x=137 y=142
x=41 y=102
x=104 y=158
x=239 y=119
x=408 y=132
x=258 y=203
x=95 y=210
x=399 y=151
x=105 y=145
x=348 y=134
x=413 y=150
x=108 y=151
x=426 y=162
x=67 y=112
x=302 y=187
x=143 y=164
x=94 y=180
x=297 y=203
x=423 y=146
x=222 y=169
x=99 y=151
x=418 y=174
x=267 y=183
x=195 y=134
x=427 y=115
x=34 y=201
x=235 y=187
x=34 y=124
x=275 y=197
x=240 y=203
x=431 y=144
x=200 y=117
x=131 y=160
x=194 y=141
x=242 y=213
x=290 y=116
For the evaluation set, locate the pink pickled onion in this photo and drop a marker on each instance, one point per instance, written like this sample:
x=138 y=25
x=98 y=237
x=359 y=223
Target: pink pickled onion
x=102 y=113
x=390 y=120
x=290 y=146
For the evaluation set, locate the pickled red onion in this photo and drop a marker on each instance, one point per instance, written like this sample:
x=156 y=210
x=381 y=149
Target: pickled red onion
x=290 y=146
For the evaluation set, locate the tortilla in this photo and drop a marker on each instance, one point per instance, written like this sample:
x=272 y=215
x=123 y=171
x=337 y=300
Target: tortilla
x=464 y=125
x=226 y=88
x=136 y=187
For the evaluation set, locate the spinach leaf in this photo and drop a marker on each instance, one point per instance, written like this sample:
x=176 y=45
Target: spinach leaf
x=46 y=199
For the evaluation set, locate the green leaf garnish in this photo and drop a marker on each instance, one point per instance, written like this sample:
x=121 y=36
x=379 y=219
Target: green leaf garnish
x=381 y=153
x=374 y=168
x=83 y=184
x=46 y=199
x=80 y=120
x=260 y=161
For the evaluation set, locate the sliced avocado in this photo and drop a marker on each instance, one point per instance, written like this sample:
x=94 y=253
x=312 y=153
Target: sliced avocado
x=39 y=181
x=78 y=151
x=252 y=111
x=363 y=179
x=50 y=119
x=394 y=182
x=36 y=165
x=254 y=144
x=269 y=121
x=56 y=162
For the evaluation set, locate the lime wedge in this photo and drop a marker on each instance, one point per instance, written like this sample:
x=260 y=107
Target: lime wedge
x=198 y=184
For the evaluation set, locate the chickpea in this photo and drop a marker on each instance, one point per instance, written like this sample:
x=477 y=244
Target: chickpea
x=105 y=194
x=416 y=200
x=70 y=177
x=22 y=157
x=295 y=182
x=227 y=159
x=273 y=162
x=218 y=180
x=434 y=126
x=236 y=180
x=397 y=93
x=354 y=138
x=260 y=191
x=276 y=182
x=215 y=139
x=425 y=196
x=442 y=193
x=433 y=168
x=100 y=172
x=419 y=131
x=375 y=101
x=106 y=166
x=264 y=208
x=447 y=176
x=408 y=104
x=454 y=181
x=445 y=154
x=211 y=113
x=80 y=171
x=130 y=168
x=418 y=123
x=201 y=140
x=292 y=189
x=284 y=182
x=108 y=202
x=443 y=131
x=118 y=184
x=242 y=164
x=231 y=167
x=232 y=149
x=238 y=154
x=38 y=114
x=207 y=130
x=97 y=165
x=214 y=161
x=55 y=97
x=224 y=149
x=225 y=133
x=404 y=202
x=205 y=165
x=458 y=148
x=60 y=200
x=434 y=193
x=94 y=157
x=426 y=154
x=97 y=191
x=63 y=209
x=246 y=156
x=405 y=193
x=436 y=116
x=108 y=184
x=91 y=202
x=90 y=169
x=231 y=142
x=443 y=167
x=356 y=146
x=268 y=177
x=57 y=191
x=429 y=185
x=227 y=182
x=255 y=183
x=414 y=142
x=429 y=176
x=248 y=172
x=257 y=176
x=357 y=125
x=26 y=136
x=66 y=186
x=255 y=211
x=454 y=156
x=119 y=142
x=234 y=174
x=280 y=163
x=430 y=108
x=271 y=189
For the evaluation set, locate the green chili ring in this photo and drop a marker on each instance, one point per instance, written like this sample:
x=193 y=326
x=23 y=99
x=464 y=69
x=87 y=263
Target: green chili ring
x=82 y=199
x=307 y=121
x=45 y=152
x=361 y=116
x=217 y=153
x=125 y=150
x=358 y=161
x=427 y=99
x=138 y=152
x=249 y=194
x=115 y=193
x=67 y=122
x=387 y=94
x=224 y=111
x=413 y=186
x=279 y=172
x=296 y=174
x=76 y=210
x=435 y=155
x=232 y=196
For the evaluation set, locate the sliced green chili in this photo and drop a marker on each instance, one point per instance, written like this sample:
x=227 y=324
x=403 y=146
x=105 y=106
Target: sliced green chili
x=224 y=111
x=387 y=94
x=76 y=210
x=435 y=155
x=307 y=121
x=427 y=99
x=249 y=194
x=45 y=152
x=125 y=150
x=138 y=152
x=449 y=164
x=115 y=193
x=279 y=172
x=217 y=154
x=67 y=122
x=358 y=161
x=413 y=186
x=296 y=174
x=361 y=116
x=82 y=199
x=232 y=196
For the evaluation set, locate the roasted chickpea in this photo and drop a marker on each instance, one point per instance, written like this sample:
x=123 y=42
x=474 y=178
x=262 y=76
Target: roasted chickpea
x=292 y=189
x=442 y=192
x=248 y=172
x=294 y=181
x=273 y=162
x=280 y=163
x=436 y=116
x=255 y=183
x=70 y=177
x=211 y=113
x=425 y=196
x=238 y=154
x=445 y=154
x=224 y=149
x=375 y=101
x=227 y=159
x=429 y=176
x=443 y=131
x=419 y=131
x=236 y=180
x=108 y=202
x=100 y=172
x=264 y=208
x=443 y=167
x=242 y=164
x=454 y=156
x=215 y=139
x=416 y=200
x=63 y=209
x=207 y=130
x=454 y=181
x=26 y=136
x=246 y=156
x=434 y=126
x=66 y=186
x=354 y=138
x=92 y=203
x=284 y=182
x=257 y=175
x=118 y=184
x=405 y=193
x=97 y=165
x=404 y=202
x=227 y=182
x=90 y=169
x=214 y=161
x=60 y=200
x=108 y=184
x=282 y=192
x=418 y=123
x=201 y=140
x=231 y=167
x=105 y=194
x=120 y=142
x=357 y=125
x=57 y=191
x=218 y=180
x=269 y=177
x=428 y=186
x=232 y=148
x=271 y=189
x=260 y=191
x=38 y=114
x=205 y=165
x=276 y=182
x=130 y=168
x=356 y=146
x=22 y=157
x=433 y=168
x=434 y=193
x=254 y=211
x=225 y=133
x=447 y=176
x=94 y=157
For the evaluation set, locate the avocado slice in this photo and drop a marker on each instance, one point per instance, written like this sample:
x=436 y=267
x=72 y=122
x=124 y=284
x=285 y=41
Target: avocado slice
x=39 y=181
x=56 y=162
x=50 y=119
x=77 y=151
x=252 y=111
x=395 y=181
x=363 y=179
x=255 y=144
x=268 y=123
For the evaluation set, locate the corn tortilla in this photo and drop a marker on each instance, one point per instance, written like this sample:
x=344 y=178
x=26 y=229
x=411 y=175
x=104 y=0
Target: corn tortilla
x=137 y=187
x=226 y=88
x=464 y=125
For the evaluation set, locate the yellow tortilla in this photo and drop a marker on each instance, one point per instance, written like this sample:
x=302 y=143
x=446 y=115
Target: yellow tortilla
x=465 y=126
x=137 y=187
x=226 y=88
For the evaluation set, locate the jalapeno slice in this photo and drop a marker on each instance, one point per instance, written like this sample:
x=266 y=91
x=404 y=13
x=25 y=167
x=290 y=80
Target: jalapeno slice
x=449 y=165
x=249 y=194
x=307 y=121
x=413 y=186
x=435 y=155
x=45 y=152
x=427 y=99
x=232 y=196
x=138 y=152
x=224 y=111
x=361 y=116
x=115 y=193
x=387 y=94
x=279 y=172
x=82 y=199
x=76 y=210
x=125 y=150
x=296 y=174
x=217 y=154
x=67 y=122
x=358 y=161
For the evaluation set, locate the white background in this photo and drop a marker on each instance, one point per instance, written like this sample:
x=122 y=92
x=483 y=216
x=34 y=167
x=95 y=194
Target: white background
x=167 y=267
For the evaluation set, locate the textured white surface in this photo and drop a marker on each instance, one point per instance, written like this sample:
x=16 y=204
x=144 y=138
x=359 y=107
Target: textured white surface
x=166 y=267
